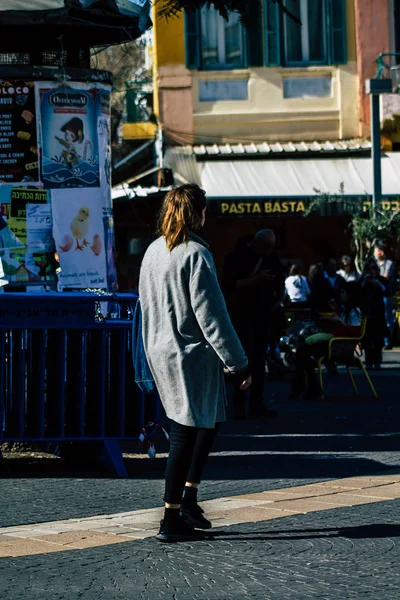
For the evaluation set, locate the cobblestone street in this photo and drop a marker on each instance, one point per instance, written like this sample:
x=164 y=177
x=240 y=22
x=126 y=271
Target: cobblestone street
x=200 y=203
x=304 y=506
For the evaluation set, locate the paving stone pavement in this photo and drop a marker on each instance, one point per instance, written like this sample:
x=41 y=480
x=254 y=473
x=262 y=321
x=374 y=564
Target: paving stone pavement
x=340 y=553
x=345 y=553
x=62 y=535
x=305 y=443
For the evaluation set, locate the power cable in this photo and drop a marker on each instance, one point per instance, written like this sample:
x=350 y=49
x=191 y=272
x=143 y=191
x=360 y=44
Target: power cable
x=197 y=139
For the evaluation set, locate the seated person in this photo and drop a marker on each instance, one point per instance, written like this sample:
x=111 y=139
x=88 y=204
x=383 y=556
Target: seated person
x=305 y=381
x=348 y=270
x=296 y=286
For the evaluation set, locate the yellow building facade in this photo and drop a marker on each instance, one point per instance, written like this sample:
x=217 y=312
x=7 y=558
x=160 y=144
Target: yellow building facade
x=232 y=103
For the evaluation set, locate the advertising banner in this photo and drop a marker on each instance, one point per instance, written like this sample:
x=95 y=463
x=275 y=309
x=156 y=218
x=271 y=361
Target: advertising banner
x=8 y=239
x=104 y=137
x=109 y=244
x=78 y=232
x=39 y=228
x=55 y=184
x=20 y=199
x=24 y=267
x=69 y=137
x=103 y=126
x=18 y=141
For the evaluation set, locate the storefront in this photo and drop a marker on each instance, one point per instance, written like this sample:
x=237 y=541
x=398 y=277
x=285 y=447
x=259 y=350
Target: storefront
x=249 y=190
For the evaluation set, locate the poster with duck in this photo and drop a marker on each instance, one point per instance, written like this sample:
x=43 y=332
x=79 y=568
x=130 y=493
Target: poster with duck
x=70 y=157
x=78 y=231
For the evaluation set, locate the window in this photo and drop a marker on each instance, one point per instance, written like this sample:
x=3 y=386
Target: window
x=320 y=39
x=221 y=41
x=276 y=40
x=305 y=43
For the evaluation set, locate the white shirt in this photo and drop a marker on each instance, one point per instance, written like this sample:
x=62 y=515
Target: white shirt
x=297 y=288
x=386 y=267
x=352 y=276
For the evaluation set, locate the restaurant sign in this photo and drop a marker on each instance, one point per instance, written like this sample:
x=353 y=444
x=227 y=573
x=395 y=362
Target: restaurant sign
x=293 y=207
x=261 y=208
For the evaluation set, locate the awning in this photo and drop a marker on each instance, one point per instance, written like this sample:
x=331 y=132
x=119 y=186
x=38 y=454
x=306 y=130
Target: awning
x=29 y=25
x=130 y=8
x=284 y=178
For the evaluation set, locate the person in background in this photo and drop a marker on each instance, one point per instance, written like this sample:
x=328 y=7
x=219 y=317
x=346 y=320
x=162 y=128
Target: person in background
x=296 y=286
x=321 y=290
x=188 y=339
x=314 y=278
x=374 y=289
x=326 y=286
x=386 y=270
x=348 y=324
x=348 y=270
x=336 y=282
x=254 y=281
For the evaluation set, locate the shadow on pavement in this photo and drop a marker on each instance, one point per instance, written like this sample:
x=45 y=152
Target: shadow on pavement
x=373 y=531
x=245 y=466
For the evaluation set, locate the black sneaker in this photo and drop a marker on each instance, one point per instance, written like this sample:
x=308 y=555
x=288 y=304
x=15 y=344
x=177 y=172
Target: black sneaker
x=178 y=531
x=193 y=515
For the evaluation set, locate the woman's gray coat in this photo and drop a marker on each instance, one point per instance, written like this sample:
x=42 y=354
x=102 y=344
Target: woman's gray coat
x=187 y=333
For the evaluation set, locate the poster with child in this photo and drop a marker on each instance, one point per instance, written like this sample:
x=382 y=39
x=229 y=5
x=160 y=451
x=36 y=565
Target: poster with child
x=69 y=138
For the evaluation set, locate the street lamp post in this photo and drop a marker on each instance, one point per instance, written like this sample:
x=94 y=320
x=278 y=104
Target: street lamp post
x=376 y=87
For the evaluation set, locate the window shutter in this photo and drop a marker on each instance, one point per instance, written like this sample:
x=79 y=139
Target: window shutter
x=192 y=41
x=272 y=34
x=254 y=44
x=337 y=31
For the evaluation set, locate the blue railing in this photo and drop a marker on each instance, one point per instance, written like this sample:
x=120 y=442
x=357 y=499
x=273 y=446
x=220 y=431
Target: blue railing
x=66 y=374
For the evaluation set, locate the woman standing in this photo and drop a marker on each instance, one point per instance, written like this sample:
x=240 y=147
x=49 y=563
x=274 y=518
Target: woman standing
x=188 y=339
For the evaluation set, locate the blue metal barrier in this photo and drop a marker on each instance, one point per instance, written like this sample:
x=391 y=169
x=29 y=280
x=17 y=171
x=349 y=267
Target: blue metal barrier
x=66 y=376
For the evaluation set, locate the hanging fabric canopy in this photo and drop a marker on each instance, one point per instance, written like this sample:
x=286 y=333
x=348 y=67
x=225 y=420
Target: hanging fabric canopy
x=87 y=23
x=284 y=178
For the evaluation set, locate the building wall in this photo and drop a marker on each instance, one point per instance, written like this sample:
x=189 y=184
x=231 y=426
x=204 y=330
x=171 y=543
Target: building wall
x=372 y=39
x=172 y=81
x=266 y=114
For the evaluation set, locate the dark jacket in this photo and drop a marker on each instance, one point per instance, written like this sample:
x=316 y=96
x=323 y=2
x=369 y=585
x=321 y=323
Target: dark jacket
x=259 y=297
x=322 y=292
x=372 y=301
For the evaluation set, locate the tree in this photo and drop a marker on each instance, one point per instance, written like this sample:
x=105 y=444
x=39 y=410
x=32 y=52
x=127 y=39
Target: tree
x=127 y=64
x=248 y=10
x=368 y=224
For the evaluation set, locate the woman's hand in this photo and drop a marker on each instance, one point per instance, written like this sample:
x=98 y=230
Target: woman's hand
x=239 y=379
x=245 y=384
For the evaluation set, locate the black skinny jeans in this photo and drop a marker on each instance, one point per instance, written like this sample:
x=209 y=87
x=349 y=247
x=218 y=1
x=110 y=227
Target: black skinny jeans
x=189 y=450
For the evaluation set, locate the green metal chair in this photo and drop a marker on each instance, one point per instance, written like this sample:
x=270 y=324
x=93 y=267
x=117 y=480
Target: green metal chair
x=348 y=362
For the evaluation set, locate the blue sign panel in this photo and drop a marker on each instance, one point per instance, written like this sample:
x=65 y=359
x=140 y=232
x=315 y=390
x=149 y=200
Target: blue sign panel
x=47 y=311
